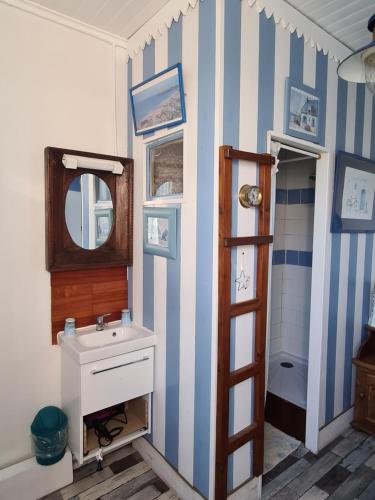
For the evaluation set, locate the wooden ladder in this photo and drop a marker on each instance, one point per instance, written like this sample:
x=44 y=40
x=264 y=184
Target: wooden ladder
x=226 y=379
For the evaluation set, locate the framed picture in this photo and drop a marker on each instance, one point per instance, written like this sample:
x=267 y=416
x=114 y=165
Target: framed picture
x=160 y=231
x=103 y=225
x=302 y=113
x=159 y=101
x=164 y=175
x=353 y=196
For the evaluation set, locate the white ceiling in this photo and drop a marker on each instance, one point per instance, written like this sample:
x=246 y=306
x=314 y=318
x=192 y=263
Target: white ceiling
x=119 y=17
x=346 y=20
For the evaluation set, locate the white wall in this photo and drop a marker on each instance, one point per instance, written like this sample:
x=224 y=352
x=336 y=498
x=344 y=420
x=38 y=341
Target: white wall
x=56 y=89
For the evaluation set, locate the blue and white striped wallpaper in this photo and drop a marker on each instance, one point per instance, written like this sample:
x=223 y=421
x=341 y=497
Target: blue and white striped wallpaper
x=256 y=49
x=175 y=297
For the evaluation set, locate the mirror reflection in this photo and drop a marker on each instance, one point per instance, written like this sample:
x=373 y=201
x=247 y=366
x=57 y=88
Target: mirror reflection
x=89 y=211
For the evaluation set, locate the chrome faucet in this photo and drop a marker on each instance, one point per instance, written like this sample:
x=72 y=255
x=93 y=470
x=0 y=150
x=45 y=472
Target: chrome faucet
x=100 y=323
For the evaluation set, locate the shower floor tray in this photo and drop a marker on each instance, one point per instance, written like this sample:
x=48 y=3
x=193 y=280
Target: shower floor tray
x=287 y=378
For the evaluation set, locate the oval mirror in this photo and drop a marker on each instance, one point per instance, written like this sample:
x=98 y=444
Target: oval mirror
x=89 y=211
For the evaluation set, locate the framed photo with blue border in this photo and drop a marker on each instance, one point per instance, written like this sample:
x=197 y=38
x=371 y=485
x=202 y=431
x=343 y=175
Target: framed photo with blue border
x=353 y=196
x=159 y=101
x=303 y=112
x=160 y=231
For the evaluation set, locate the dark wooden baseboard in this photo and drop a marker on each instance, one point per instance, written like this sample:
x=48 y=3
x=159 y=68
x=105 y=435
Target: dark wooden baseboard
x=286 y=416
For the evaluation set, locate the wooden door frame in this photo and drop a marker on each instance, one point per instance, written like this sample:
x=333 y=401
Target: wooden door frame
x=322 y=211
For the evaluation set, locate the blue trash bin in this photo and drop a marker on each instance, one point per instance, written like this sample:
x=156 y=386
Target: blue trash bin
x=49 y=435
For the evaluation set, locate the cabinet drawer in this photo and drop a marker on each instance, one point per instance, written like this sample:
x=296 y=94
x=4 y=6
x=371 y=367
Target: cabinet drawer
x=114 y=380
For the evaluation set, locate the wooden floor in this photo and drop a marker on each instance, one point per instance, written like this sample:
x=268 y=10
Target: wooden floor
x=124 y=475
x=345 y=470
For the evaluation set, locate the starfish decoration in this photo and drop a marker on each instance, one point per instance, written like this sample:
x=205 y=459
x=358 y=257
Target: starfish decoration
x=243 y=281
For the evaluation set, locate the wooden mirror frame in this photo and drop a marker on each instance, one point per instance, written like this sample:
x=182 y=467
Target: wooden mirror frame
x=62 y=254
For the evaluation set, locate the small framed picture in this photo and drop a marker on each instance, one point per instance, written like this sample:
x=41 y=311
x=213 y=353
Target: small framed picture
x=165 y=167
x=103 y=225
x=353 y=195
x=159 y=101
x=160 y=231
x=302 y=113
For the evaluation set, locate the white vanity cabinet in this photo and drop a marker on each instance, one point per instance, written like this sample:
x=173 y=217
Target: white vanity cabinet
x=89 y=387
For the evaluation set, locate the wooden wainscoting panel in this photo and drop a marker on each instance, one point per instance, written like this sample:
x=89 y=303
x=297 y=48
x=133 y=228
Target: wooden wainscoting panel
x=85 y=294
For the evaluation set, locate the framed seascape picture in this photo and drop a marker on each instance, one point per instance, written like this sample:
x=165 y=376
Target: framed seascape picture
x=303 y=112
x=164 y=174
x=159 y=101
x=160 y=231
x=353 y=196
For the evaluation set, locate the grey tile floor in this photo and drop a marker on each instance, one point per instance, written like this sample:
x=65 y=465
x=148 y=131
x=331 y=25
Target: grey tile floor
x=124 y=475
x=344 y=470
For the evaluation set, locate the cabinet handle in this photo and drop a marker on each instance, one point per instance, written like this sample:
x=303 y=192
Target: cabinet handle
x=95 y=372
x=362 y=395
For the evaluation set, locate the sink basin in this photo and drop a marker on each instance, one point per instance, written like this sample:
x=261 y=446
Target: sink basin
x=90 y=345
x=109 y=336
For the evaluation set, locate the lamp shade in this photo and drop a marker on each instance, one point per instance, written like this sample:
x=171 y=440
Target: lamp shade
x=359 y=67
x=352 y=68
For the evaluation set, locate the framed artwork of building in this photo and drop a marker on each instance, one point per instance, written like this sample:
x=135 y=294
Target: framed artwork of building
x=303 y=112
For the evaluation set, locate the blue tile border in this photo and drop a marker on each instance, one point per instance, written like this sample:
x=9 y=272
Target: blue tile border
x=305 y=259
x=278 y=257
x=295 y=196
x=292 y=257
x=308 y=195
x=281 y=196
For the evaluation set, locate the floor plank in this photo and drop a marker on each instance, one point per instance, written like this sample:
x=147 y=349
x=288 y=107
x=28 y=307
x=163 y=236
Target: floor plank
x=148 y=493
x=132 y=487
x=333 y=479
x=126 y=462
x=84 y=484
x=369 y=492
x=354 y=485
x=114 y=482
x=285 y=494
x=360 y=454
x=348 y=444
x=279 y=468
x=168 y=495
x=315 y=472
x=300 y=452
x=371 y=462
x=284 y=478
x=314 y=493
x=109 y=459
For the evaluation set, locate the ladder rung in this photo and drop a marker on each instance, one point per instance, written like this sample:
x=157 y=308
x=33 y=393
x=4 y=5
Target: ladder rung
x=244 y=307
x=235 y=154
x=241 y=438
x=248 y=240
x=244 y=373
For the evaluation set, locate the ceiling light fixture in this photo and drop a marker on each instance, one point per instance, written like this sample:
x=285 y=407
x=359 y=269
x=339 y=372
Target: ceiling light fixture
x=359 y=67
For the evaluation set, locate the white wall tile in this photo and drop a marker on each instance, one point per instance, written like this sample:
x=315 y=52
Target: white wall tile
x=276 y=345
x=276 y=316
